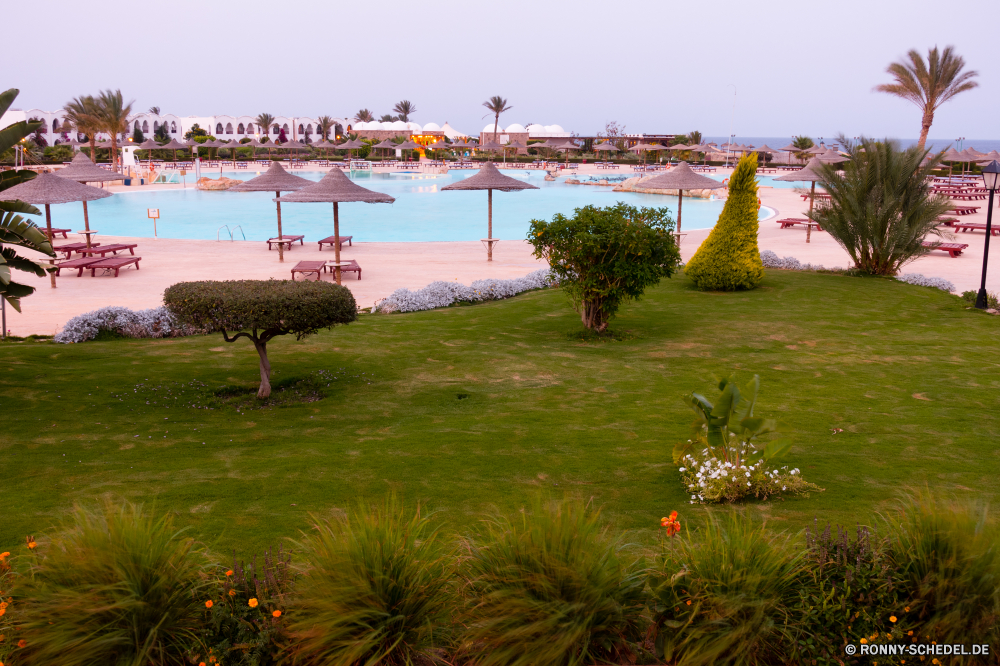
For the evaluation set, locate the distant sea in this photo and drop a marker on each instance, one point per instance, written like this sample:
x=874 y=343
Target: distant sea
x=982 y=145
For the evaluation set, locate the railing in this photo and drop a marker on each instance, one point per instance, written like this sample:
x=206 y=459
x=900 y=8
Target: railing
x=231 y=232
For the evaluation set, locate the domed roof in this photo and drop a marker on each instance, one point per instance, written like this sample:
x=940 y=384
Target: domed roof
x=533 y=129
x=376 y=125
x=432 y=127
x=360 y=126
x=489 y=128
x=515 y=129
x=398 y=125
x=554 y=128
x=413 y=127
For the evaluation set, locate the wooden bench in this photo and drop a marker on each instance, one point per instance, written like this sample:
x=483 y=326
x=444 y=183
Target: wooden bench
x=965 y=210
x=73 y=247
x=79 y=264
x=56 y=232
x=285 y=240
x=974 y=226
x=113 y=263
x=954 y=249
x=102 y=250
x=330 y=240
x=790 y=222
x=309 y=267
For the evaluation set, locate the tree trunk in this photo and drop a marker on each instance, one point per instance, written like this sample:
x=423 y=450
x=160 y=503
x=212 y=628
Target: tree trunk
x=48 y=227
x=265 y=370
x=925 y=128
x=592 y=315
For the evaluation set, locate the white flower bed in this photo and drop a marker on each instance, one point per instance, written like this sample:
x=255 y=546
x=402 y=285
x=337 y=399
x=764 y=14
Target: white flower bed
x=710 y=480
x=923 y=281
x=442 y=294
x=152 y=323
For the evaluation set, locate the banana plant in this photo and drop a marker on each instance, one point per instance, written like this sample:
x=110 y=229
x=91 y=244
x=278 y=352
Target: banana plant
x=16 y=231
x=729 y=427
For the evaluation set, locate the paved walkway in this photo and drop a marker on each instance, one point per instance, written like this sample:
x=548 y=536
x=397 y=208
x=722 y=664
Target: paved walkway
x=388 y=266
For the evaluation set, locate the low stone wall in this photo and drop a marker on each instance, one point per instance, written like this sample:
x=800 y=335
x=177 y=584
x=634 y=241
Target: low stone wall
x=635 y=185
x=221 y=183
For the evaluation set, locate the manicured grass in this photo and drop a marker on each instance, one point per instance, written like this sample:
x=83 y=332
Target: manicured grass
x=471 y=409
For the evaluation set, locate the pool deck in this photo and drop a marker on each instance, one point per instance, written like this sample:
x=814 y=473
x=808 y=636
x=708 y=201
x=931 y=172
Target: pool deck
x=389 y=266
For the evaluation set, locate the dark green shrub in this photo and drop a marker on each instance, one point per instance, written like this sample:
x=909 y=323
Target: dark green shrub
x=729 y=259
x=605 y=257
x=261 y=310
x=992 y=301
x=374 y=589
x=727 y=596
x=114 y=587
x=947 y=555
x=553 y=587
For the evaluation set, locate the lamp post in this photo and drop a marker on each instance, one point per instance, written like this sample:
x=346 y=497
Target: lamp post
x=991 y=172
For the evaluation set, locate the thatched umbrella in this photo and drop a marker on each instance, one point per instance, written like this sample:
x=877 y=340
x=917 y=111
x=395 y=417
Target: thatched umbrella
x=337 y=188
x=952 y=155
x=811 y=172
x=385 y=145
x=350 y=145
x=175 y=145
x=253 y=145
x=276 y=180
x=790 y=148
x=83 y=170
x=48 y=189
x=831 y=156
x=766 y=149
x=489 y=178
x=291 y=147
x=681 y=178
x=409 y=145
x=566 y=148
x=604 y=147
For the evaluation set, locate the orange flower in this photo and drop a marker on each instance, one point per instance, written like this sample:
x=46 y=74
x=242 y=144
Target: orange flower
x=229 y=573
x=907 y=609
x=208 y=604
x=201 y=663
x=253 y=603
x=673 y=516
x=688 y=602
x=4 y=555
x=892 y=618
x=32 y=544
x=22 y=643
x=276 y=614
x=232 y=593
x=864 y=641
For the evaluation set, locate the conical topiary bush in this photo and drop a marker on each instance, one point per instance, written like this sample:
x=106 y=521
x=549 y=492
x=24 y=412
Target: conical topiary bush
x=729 y=258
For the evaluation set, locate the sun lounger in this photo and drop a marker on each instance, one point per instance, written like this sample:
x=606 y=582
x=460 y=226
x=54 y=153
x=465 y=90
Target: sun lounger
x=330 y=240
x=72 y=247
x=790 y=222
x=285 y=240
x=353 y=268
x=102 y=250
x=113 y=264
x=965 y=210
x=309 y=267
x=946 y=221
x=974 y=226
x=78 y=264
x=954 y=249
x=56 y=232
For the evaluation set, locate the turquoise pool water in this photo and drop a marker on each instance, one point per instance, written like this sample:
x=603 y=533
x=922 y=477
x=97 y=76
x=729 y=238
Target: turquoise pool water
x=422 y=212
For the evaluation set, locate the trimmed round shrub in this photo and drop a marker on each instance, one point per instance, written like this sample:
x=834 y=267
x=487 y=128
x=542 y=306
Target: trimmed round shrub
x=729 y=259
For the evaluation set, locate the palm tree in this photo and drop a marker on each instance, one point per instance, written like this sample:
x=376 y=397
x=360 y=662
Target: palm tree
x=364 y=116
x=930 y=84
x=264 y=121
x=694 y=138
x=404 y=109
x=113 y=113
x=496 y=105
x=83 y=114
x=803 y=143
x=388 y=118
x=324 y=124
x=155 y=110
x=881 y=206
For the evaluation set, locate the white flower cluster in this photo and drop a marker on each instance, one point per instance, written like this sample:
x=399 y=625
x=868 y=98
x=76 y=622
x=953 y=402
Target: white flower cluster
x=923 y=281
x=442 y=294
x=152 y=323
x=772 y=260
x=711 y=480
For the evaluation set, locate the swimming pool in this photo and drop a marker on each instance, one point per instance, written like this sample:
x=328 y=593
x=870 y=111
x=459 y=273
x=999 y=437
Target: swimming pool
x=421 y=211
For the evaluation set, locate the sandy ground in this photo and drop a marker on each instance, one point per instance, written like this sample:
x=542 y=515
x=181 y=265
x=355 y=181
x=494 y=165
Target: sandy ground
x=389 y=266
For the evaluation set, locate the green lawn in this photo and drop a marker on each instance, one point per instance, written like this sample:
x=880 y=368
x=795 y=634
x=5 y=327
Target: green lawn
x=468 y=409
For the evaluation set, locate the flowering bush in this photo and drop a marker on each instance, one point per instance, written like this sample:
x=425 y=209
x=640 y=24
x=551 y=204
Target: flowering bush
x=152 y=323
x=441 y=294
x=731 y=463
x=772 y=260
x=922 y=281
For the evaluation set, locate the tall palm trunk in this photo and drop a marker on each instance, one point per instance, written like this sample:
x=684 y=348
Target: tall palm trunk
x=496 y=124
x=925 y=127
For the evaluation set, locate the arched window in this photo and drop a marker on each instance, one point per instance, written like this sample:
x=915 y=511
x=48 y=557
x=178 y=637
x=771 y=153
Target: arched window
x=229 y=128
x=218 y=128
x=173 y=127
x=302 y=129
x=55 y=125
x=156 y=125
x=275 y=129
x=249 y=128
x=239 y=129
x=309 y=128
x=145 y=126
x=285 y=127
x=135 y=125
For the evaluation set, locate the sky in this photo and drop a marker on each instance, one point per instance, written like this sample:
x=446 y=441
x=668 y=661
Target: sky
x=658 y=67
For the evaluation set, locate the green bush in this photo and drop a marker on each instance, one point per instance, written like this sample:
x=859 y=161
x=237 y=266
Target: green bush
x=729 y=259
x=552 y=587
x=727 y=596
x=375 y=589
x=605 y=257
x=947 y=555
x=992 y=301
x=261 y=310
x=114 y=587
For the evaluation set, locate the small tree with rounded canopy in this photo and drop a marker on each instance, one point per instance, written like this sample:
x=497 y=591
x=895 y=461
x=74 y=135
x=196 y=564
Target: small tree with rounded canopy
x=604 y=257
x=260 y=310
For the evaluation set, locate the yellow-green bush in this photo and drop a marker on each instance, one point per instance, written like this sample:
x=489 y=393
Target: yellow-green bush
x=729 y=258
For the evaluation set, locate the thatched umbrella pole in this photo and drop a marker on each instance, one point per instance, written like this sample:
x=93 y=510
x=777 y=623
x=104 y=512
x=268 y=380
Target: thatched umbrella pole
x=489 y=228
x=680 y=204
x=281 y=251
x=812 y=197
x=86 y=223
x=48 y=227
x=336 y=245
